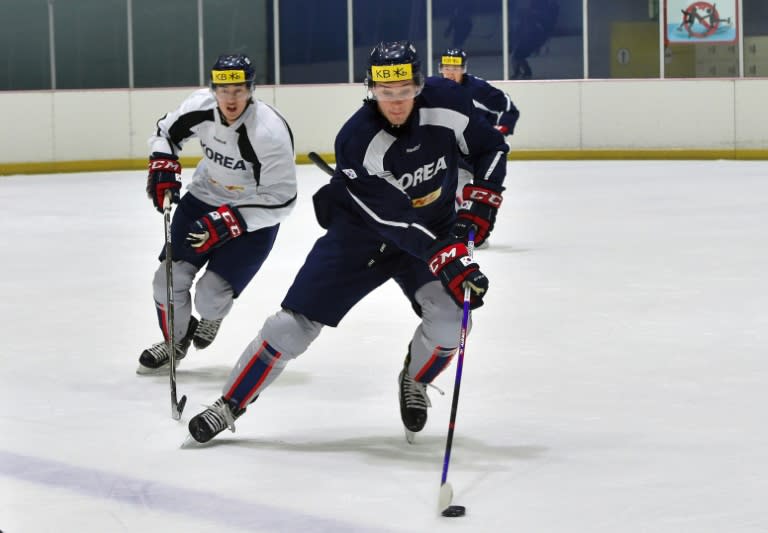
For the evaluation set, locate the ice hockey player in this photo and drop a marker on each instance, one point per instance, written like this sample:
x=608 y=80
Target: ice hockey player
x=389 y=214
x=241 y=190
x=495 y=105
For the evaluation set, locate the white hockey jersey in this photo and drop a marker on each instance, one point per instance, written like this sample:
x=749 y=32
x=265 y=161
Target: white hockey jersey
x=249 y=164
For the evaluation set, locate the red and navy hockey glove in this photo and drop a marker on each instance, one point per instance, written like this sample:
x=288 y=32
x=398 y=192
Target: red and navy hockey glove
x=164 y=175
x=501 y=128
x=449 y=260
x=215 y=229
x=481 y=203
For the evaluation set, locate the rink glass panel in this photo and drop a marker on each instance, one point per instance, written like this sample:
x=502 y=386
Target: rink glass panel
x=91 y=43
x=386 y=21
x=90 y=40
x=165 y=55
x=24 y=45
x=313 y=46
x=546 y=39
x=475 y=27
x=239 y=27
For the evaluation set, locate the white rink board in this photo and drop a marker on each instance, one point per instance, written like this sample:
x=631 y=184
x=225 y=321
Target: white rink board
x=701 y=114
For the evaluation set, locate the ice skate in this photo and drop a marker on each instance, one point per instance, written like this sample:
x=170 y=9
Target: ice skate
x=205 y=333
x=156 y=358
x=413 y=404
x=213 y=420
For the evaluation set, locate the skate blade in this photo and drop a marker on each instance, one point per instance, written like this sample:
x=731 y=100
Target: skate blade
x=410 y=436
x=146 y=371
x=190 y=443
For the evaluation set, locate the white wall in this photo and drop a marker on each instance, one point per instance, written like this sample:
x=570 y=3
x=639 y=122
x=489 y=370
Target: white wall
x=722 y=114
x=719 y=114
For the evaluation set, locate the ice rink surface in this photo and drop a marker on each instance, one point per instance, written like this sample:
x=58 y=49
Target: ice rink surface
x=615 y=380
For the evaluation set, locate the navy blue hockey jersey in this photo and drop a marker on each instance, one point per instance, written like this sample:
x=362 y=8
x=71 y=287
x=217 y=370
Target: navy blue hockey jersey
x=496 y=105
x=398 y=183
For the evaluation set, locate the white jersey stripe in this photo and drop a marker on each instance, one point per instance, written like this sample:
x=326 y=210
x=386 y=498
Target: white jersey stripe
x=447 y=118
x=493 y=164
x=497 y=114
x=373 y=161
x=392 y=223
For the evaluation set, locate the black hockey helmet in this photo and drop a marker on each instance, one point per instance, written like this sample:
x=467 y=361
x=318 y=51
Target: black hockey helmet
x=454 y=57
x=231 y=69
x=394 y=61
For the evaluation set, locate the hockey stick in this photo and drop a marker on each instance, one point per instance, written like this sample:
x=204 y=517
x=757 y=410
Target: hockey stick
x=320 y=162
x=176 y=406
x=446 y=490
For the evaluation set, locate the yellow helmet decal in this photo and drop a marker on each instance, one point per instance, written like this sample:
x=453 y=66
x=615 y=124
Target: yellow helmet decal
x=384 y=73
x=451 y=60
x=222 y=77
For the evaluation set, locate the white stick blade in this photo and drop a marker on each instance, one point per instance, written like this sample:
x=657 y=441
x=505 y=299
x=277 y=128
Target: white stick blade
x=446 y=497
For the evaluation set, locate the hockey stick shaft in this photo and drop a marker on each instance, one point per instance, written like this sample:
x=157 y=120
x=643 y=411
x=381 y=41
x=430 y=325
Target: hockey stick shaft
x=446 y=491
x=176 y=406
x=320 y=162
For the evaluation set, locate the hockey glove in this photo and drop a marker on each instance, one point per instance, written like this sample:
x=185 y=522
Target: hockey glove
x=449 y=260
x=481 y=202
x=164 y=175
x=215 y=229
x=502 y=129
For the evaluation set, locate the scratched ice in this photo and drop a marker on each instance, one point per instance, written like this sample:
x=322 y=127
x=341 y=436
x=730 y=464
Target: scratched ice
x=615 y=381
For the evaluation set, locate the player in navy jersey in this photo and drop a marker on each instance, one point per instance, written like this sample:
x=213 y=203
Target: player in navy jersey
x=389 y=214
x=495 y=105
x=241 y=190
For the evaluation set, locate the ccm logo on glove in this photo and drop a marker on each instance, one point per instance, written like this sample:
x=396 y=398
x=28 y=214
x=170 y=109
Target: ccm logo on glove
x=164 y=171
x=215 y=229
x=449 y=260
x=229 y=219
x=165 y=164
x=448 y=255
x=484 y=196
x=478 y=211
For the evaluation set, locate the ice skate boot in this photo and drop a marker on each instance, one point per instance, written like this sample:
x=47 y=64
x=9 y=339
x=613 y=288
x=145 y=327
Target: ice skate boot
x=413 y=403
x=205 y=333
x=156 y=358
x=215 y=419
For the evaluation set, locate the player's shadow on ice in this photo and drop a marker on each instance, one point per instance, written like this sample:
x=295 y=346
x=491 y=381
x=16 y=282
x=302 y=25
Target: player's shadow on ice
x=502 y=249
x=467 y=452
x=218 y=374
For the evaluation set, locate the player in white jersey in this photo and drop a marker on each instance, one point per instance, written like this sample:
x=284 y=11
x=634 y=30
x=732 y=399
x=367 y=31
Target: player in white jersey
x=241 y=190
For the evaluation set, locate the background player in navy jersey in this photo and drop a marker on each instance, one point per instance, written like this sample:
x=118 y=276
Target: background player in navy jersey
x=495 y=105
x=389 y=214
x=241 y=190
